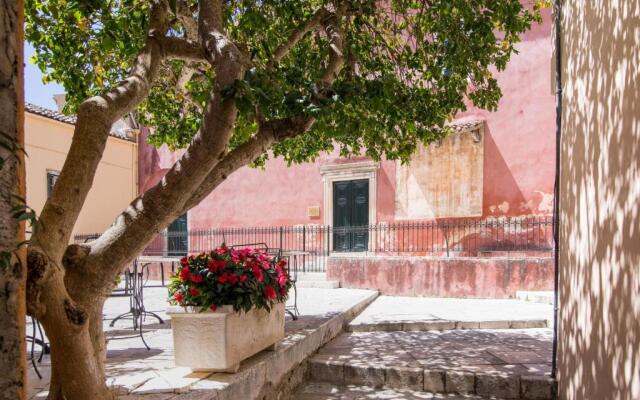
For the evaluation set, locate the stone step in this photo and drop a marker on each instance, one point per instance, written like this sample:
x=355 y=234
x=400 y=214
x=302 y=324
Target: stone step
x=315 y=280
x=485 y=384
x=543 y=297
x=328 y=391
x=441 y=325
x=392 y=313
x=311 y=276
x=318 y=284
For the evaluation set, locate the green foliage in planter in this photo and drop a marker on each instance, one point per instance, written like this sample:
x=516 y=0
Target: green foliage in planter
x=244 y=278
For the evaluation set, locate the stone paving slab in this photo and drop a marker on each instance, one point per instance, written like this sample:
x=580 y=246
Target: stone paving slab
x=391 y=313
x=510 y=364
x=328 y=391
x=137 y=373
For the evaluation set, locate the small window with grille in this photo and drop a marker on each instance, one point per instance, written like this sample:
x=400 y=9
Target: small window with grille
x=52 y=177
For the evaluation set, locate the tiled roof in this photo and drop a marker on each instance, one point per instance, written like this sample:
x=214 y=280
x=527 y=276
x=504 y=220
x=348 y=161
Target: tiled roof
x=69 y=119
x=45 y=112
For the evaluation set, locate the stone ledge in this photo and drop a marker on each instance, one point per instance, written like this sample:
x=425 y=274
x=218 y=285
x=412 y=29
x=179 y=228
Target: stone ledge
x=442 y=325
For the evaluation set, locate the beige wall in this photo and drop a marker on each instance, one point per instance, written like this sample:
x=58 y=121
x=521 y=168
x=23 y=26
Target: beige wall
x=443 y=179
x=599 y=354
x=47 y=143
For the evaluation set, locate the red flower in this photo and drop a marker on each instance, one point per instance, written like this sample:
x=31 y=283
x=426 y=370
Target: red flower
x=270 y=293
x=233 y=279
x=184 y=262
x=178 y=297
x=194 y=291
x=215 y=265
x=282 y=263
x=196 y=278
x=221 y=250
x=184 y=274
x=222 y=279
x=258 y=273
x=282 y=280
x=243 y=278
x=283 y=292
x=213 y=307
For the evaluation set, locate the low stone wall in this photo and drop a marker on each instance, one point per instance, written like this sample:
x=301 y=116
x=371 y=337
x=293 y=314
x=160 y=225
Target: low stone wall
x=478 y=277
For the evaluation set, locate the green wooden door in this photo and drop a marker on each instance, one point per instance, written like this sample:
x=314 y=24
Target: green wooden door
x=178 y=237
x=351 y=215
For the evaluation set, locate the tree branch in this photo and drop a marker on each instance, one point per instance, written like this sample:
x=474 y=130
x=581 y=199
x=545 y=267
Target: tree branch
x=178 y=48
x=161 y=204
x=184 y=77
x=94 y=120
x=336 y=58
x=271 y=132
x=312 y=24
x=206 y=162
x=189 y=23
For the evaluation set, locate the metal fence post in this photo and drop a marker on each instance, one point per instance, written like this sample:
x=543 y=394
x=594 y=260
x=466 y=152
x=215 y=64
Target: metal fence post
x=326 y=259
x=446 y=237
x=304 y=247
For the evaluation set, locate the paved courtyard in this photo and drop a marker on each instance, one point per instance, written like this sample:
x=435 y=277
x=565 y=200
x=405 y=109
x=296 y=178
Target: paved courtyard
x=395 y=348
x=523 y=351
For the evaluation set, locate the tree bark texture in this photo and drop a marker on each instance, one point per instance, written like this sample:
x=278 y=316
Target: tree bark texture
x=12 y=278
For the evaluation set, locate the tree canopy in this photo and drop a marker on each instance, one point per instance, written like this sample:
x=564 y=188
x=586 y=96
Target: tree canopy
x=408 y=66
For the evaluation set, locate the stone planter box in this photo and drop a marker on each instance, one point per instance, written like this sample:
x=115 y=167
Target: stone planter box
x=219 y=340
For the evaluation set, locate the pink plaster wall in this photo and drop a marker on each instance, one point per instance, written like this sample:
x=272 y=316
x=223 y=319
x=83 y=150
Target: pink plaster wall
x=518 y=164
x=519 y=143
x=443 y=277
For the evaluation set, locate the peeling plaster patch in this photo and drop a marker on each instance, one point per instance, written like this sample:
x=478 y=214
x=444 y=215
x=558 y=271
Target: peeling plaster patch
x=546 y=203
x=504 y=207
x=442 y=180
x=526 y=206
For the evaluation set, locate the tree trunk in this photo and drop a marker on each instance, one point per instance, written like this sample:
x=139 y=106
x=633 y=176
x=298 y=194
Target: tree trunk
x=70 y=310
x=12 y=272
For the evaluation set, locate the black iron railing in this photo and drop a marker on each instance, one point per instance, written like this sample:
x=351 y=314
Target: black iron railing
x=313 y=243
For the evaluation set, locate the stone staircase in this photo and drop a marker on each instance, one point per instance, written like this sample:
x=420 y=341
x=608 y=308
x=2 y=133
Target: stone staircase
x=379 y=359
x=315 y=280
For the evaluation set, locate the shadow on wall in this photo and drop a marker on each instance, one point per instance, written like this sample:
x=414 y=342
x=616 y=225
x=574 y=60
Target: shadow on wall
x=501 y=194
x=599 y=354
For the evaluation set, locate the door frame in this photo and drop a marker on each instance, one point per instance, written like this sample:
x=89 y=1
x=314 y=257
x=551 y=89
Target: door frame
x=348 y=172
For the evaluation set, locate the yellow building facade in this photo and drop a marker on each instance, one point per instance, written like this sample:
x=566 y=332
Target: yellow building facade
x=48 y=137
